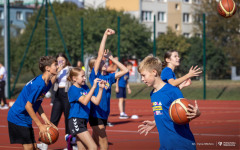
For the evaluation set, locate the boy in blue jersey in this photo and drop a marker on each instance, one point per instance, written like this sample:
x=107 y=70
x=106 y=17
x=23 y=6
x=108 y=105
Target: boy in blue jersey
x=29 y=101
x=121 y=85
x=79 y=97
x=171 y=61
x=171 y=135
x=99 y=114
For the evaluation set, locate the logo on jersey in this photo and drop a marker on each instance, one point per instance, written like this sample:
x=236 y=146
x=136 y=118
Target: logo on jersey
x=125 y=77
x=41 y=97
x=107 y=85
x=157 y=108
x=83 y=93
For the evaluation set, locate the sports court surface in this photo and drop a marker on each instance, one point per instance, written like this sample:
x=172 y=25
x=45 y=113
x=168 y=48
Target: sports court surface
x=217 y=128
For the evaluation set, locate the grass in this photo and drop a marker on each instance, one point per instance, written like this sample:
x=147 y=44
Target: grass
x=215 y=90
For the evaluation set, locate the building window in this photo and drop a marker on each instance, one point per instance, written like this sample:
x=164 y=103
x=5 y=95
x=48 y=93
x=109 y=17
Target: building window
x=1 y=15
x=147 y=16
x=186 y=18
x=186 y=1
x=160 y=33
x=177 y=7
x=198 y=35
x=19 y=15
x=28 y=15
x=162 y=17
x=176 y=27
x=186 y=35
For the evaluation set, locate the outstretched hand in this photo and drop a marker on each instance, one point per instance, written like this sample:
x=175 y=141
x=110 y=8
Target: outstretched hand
x=109 y=31
x=193 y=111
x=146 y=127
x=194 y=71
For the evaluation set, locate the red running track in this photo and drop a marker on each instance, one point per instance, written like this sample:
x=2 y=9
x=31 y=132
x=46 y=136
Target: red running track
x=217 y=128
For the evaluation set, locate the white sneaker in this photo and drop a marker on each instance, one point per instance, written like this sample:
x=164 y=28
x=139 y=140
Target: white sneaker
x=110 y=124
x=5 y=107
x=123 y=116
x=42 y=146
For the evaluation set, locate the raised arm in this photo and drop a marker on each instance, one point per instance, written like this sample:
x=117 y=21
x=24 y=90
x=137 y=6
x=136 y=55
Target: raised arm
x=101 y=49
x=193 y=72
x=123 y=69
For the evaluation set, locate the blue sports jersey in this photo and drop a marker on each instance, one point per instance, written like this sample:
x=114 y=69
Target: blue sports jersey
x=103 y=109
x=167 y=74
x=123 y=80
x=34 y=92
x=77 y=109
x=171 y=135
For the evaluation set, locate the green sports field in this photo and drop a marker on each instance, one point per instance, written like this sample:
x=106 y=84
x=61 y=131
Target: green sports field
x=215 y=90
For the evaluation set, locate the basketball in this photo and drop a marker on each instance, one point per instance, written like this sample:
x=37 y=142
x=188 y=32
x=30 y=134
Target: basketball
x=178 y=110
x=51 y=137
x=226 y=8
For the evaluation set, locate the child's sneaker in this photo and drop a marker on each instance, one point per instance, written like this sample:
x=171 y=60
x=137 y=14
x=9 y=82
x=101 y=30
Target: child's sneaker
x=123 y=116
x=42 y=146
x=110 y=124
x=5 y=106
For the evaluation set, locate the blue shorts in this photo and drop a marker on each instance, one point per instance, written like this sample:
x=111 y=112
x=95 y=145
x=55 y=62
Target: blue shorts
x=122 y=92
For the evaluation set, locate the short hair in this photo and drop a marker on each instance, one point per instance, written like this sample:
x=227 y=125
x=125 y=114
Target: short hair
x=73 y=73
x=151 y=63
x=91 y=63
x=46 y=61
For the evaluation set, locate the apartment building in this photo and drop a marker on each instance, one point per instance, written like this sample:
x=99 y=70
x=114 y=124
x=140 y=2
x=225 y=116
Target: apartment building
x=177 y=14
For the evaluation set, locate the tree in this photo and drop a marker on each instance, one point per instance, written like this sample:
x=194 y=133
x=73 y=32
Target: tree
x=135 y=37
x=216 y=66
x=171 y=41
x=224 y=31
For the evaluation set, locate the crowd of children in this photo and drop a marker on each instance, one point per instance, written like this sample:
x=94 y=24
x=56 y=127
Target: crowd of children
x=81 y=104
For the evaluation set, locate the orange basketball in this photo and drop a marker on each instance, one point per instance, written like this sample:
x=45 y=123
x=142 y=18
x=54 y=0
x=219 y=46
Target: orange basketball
x=51 y=137
x=226 y=8
x=178 y=110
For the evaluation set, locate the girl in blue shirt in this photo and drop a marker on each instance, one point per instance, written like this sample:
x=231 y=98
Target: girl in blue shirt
x=171 y=61
x=79 y=96
x=29 y=101
x=99 y=114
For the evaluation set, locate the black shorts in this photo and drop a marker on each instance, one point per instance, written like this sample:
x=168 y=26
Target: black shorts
x=122 y=92
x=20 y=134
x=97 y=121
x=77 y=125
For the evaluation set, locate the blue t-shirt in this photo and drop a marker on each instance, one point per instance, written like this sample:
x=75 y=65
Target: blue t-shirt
x=77 y=109
x=167 y=74
x=123 y=80
x=103 y=109
x=171 y=135
x=34 y=92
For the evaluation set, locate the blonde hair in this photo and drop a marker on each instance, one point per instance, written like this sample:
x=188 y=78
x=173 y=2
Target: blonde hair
x=91 y=63
x=150 y=63
x=73 y=73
